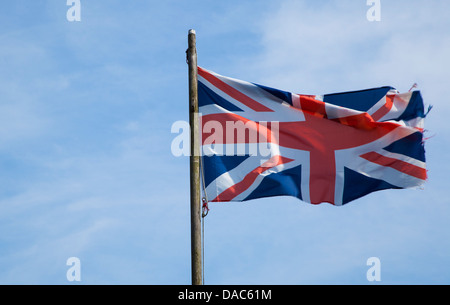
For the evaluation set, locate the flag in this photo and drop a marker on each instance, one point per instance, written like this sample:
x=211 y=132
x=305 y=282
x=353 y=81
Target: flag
x=258 y=142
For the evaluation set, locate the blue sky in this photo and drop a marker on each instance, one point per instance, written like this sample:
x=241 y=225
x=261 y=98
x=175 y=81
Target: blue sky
x=86 y=170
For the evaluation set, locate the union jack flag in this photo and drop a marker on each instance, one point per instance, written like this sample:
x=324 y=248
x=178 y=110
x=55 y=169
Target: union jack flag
x=263 y=142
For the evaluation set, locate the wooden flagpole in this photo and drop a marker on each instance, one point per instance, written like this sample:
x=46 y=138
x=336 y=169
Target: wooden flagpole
x=196 y=237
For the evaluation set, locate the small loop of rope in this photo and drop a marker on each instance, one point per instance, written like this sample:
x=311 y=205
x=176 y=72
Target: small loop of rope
x=205 y=208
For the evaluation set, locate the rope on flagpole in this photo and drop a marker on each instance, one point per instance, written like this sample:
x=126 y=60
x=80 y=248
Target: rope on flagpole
x=205 y=211
x=203 y=249
x=205 y=208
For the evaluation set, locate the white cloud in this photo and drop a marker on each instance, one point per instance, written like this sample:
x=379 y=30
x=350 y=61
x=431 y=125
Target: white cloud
x=331 y=46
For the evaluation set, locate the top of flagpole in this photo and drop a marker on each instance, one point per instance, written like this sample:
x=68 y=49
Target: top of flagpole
x=192 y=31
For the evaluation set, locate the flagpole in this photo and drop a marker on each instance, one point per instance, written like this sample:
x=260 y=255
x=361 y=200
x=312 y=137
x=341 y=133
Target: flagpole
x=196 y=237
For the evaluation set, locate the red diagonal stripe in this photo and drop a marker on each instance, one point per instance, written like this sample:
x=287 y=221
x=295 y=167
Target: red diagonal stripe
x=237 y=189
x=312 y=106
x=237 y=95
x=396 y=164
x=384 y=109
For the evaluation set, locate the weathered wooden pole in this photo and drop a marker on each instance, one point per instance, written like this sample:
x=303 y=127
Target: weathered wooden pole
x=196 y=235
